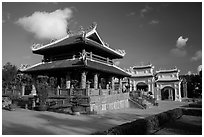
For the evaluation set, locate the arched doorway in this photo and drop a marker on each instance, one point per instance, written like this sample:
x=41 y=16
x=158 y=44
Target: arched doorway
x=142 y=86
x=168 y=93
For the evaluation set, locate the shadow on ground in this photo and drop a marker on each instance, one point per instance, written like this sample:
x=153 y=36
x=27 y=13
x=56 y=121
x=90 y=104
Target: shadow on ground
x=186 y=125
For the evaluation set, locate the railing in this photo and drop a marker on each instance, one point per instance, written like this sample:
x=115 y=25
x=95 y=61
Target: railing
x=142 y=99
x=99 y=58
x=150 y=99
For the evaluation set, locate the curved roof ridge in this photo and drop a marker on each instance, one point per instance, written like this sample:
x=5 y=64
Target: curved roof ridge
x=167 y=70
x=141 y=66
x=35 y=47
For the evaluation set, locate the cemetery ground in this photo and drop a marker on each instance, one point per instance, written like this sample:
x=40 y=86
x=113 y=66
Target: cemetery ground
x=29 y=122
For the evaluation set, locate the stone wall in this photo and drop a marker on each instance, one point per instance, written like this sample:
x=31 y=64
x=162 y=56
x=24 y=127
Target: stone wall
x=103 y=103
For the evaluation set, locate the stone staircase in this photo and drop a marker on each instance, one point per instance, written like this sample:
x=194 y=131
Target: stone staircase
x=142 y=102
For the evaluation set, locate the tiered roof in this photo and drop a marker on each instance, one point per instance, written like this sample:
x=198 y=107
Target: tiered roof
x=167 y=78
x=88 y=38
x=141 y=67
x=75 y=63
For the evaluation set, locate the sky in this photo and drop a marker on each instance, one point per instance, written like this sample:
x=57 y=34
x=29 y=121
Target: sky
x=166 y=35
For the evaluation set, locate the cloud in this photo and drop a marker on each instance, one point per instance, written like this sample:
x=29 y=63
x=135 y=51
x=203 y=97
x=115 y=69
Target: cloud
x=131 y=14
x=154 y=22
x=197 y=56
x=178 y=52
x=45 y=25
x=181 y=42
x=8 y=16
x=145 y=10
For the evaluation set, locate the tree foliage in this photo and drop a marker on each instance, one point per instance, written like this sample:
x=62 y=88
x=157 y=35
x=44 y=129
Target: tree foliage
x=9 y=73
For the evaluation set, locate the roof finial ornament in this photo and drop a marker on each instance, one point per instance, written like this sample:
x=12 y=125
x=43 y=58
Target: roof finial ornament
x=94 y=25
x=81 y=28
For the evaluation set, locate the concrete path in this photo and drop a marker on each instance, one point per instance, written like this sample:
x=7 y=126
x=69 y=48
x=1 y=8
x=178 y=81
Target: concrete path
x=28 y=122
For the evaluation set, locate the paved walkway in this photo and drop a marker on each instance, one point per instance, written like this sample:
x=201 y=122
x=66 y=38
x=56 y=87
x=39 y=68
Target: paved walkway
x=27 y=122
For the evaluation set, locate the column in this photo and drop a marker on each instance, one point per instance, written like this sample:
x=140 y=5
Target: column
x=23 y=90
x=130 y=85
x=95 y=81
x=83 y=79
x=149 y=87
x=179 y=90
x=120 y=85
x=58 y=90
x=185 y=95
x=33 y=92
x=112 y=83
x=87 y=88
x=134 y=85
x=68 y=80
x=171 y=94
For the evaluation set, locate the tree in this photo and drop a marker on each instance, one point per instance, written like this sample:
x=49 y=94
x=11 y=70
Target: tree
x=9 y=73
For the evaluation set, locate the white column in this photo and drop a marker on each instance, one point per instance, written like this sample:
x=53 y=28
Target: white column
x=153 y=89
x=68 y=81
x=23 y=90
x=149 y=87
x=179 y=90
x=33 y=92
x=134 y=85
x=83 y=80
x=96 y=81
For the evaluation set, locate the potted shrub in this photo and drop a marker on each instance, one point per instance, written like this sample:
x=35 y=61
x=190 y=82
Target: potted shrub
x=75 y=108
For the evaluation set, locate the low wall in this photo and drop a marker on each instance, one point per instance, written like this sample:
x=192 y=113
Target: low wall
x=103 y=103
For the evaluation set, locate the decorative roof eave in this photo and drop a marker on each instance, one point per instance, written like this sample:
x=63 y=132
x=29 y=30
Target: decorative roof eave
x=117 y=51
x=36 y=47
x=24 y=67
x=121 y=69
x=167 y=71
x=125 y=73
x=143 y=66
x=174 y=80
x=141 y=76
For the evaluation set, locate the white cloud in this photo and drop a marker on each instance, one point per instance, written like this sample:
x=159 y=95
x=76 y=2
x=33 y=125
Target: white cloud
x=131 y=14
x=145 y=10
x=154 y=22
x=197 y=56
x=178 y=52
x=181 y=42
x=8 y=16
x=45 y=25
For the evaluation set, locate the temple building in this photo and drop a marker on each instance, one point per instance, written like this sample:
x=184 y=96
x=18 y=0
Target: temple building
x=161 y=85
x=168 y=85
x=142 y=79
x=81 y=63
